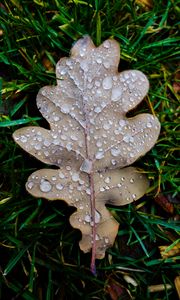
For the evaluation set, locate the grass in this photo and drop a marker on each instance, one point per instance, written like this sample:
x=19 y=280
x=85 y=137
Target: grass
x=39 y=254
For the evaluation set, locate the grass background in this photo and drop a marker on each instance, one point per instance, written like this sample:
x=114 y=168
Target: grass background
x=39 y=254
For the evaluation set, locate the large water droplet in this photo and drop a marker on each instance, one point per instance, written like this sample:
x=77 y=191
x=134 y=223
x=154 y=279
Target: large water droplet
x=116 y=94
x=97 y=217
x=86 y=166
x=107 y=83
x=45 y=186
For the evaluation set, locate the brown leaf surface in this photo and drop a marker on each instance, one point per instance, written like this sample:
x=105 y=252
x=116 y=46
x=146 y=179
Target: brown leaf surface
x=90 y=140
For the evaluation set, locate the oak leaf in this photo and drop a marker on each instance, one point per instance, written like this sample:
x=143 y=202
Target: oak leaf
x=91 y=140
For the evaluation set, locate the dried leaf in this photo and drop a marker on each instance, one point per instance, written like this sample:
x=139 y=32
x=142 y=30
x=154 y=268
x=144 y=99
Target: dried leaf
x=177 y=285
x=164 y=203
x=90 y=140
x=117 y=291
x=166 y=252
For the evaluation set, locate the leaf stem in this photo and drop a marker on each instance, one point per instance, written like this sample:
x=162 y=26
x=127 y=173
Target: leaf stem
x=93 y=257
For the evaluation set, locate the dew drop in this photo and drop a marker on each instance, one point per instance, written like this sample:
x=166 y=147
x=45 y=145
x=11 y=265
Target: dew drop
x=116 y=94
x=122 y=123
x=149 y=125
x=30 y=185
x=99 y=155
x=75 y=177
x=131 y=180
x=115 y=152
x=23 y=139
x=99 y=60
x=107 y=44
x=87 y=218
x=97 y=217
x=59 y=186
x=107 y=83
x=45 y=186
x=65 y=108
x=107 y=180
x=97 y=109
x=86 y=166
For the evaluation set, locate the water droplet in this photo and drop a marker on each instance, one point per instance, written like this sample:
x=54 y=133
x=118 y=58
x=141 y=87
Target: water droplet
x=23 y=139
x=99 y=144
x=45 y=186
x=37 y=147
x=106 y=240
x=87 y=218
x=88 y=191
x=107 y=83
x=65 y=108
x=56 y=118
x=114 y=162
x=97 y=109
x=116 y=94
x=107 y=44
x=131 y=180
x=61 y=175
x=53 y=178
x=134 y=196
x=86 y=166
x=106 y=64
x=84 y=65
x=63 y=137
x=99 y=60
x=122 y=123
x=59 y=186
x=115 y=151
x=97 y=237
x=99 y=155
x=149 y=125
x=75 y=177
x=102 y=189
x=106 y=126
x=107 y=180
x=97 y=217
x=30 y=185
x=69 y=146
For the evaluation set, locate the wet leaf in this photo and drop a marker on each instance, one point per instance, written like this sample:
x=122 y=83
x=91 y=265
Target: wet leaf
x=91 y=140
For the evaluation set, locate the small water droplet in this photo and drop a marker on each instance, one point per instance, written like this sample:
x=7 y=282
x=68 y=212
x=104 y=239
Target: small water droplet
x=59 y=186
x=23 y=139
x=115 y=152
x=149 y=125
x=97 y=109
x=107 y=44
x=107 y=180
x=99 y=60
x=65 y=108
x=131 y=180
x=88 y=191
x=75 y=177
x=122 y=123
x=30 y=185
x=106 y=240
x=99 y=155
